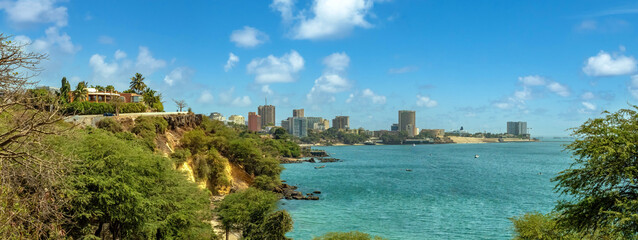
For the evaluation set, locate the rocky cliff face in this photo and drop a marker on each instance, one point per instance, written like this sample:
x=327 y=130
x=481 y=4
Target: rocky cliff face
x=183 y=121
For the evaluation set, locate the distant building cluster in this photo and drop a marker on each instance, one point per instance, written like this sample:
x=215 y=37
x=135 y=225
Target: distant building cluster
x=299 y=125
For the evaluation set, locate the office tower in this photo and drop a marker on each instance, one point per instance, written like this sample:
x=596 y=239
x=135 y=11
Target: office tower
x=517 y=128
x=299 y=127
x=407 y=122
x=314 y=123
x=267 y=113
x=341 y=122
x=297 y=113
x=254 y=122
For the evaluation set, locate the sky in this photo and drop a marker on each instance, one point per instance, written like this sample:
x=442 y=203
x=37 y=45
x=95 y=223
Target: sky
x=476 y=64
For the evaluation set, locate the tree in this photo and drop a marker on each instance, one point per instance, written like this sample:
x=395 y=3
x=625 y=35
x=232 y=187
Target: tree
x=117 y=102
x=65 y=90
x=109 y=88
x=246 y=211
x=81 y=93
x=276 y=225
x=181 y=104
x=30 y=200
x=602 y=183
x=137 y=83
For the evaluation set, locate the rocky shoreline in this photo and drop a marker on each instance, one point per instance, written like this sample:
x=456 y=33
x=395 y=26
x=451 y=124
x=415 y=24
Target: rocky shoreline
x=288 y=192
x=310 y=160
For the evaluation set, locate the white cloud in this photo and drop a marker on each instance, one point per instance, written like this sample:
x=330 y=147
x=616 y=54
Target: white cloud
x=329 y=18
x=524 y=94
x=101 y=68
x=52 y=43
x=266 y=89
x=332 y=80
x=406 y=69
x=587 y=25
x=285 y=7
x=248 y=37
x=587 y=96
x=105 y=40
x=146 y=63
x=532 y=80
x=589 y=106
x=276 y=70
x=179 y=74
x=226 y=98
x=366 y=96
x=604 y=64
x=230 y=63
x=423 y=101
x=205 y=97
x=633 y=86
x=35 y=11
x=119 y=54
x=559 y=89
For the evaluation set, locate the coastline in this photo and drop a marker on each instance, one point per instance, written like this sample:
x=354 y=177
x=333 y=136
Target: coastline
x=453 y=140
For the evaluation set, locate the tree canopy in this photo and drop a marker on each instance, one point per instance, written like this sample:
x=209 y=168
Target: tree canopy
x=137 y=83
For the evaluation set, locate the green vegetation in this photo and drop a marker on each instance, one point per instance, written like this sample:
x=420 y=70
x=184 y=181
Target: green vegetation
x=109 y=124
x=136 y=193
x=332 y=135
x=252 y=211
x=394 y=137
x=148 y=128
x=91 y=108
x=601 y=184
x=347 y=236
x=65 y=90
x=137 y=83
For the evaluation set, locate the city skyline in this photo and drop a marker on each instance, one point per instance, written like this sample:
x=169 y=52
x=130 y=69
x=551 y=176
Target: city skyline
x=456 y=63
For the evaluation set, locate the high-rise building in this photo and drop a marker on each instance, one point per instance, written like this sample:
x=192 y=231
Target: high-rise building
x=325 y=124
x=297 y=113
x=237 y=119
x=285 y=124
x=341 y=122
x=299 y=127
x=254 y=122
x=267 y=113
x=315 y=123
x=407 y=122
x=517 y=128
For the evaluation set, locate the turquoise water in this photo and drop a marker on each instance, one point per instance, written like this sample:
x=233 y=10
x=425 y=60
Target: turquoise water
x=448 y=194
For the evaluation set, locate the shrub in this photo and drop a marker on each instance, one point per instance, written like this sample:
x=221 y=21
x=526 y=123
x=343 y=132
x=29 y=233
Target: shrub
x=267 y=183
x=355 y=235
x=180 y=156
x=109 y=124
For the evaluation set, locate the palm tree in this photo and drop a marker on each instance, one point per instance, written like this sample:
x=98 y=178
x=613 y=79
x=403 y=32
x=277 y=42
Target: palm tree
x=137 y=83
x=110 y=88
x=149 y=97
x=81 y=93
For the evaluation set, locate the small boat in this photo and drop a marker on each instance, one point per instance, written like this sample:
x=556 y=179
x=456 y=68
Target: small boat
x=408 y=170
x=476 y=156
x=414 y=145
x=322 y=166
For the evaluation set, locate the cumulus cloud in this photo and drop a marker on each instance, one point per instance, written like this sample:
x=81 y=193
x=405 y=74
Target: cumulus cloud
x=534 y=80
x=180 y=74
x=52 y=43
x=23 y=12
x=227 y=98
x=118 y=70
x=266 y=90
x=276 y=69
x=366 y=96
x=589 y=106
x=633 y=86
x=423 y=101
x=205 y=97
x=230 y=63
x=101 y=68
x=328 y=18
x=119 y=54
x=530 y=84
x=332 y=80
x=559 y=89
x=248 y=37
x=605 y=64
x=146 y=63
x=401 y=70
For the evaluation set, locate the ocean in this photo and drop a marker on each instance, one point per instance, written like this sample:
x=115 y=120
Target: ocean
x=449 y=194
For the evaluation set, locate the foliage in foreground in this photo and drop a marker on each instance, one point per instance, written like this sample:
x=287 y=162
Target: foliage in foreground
x=601 y=184
x=252 y=211
x=137 y=194
x=355 y=235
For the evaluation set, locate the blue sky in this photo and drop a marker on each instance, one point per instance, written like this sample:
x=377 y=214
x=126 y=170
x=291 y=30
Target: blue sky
x=476 y=64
